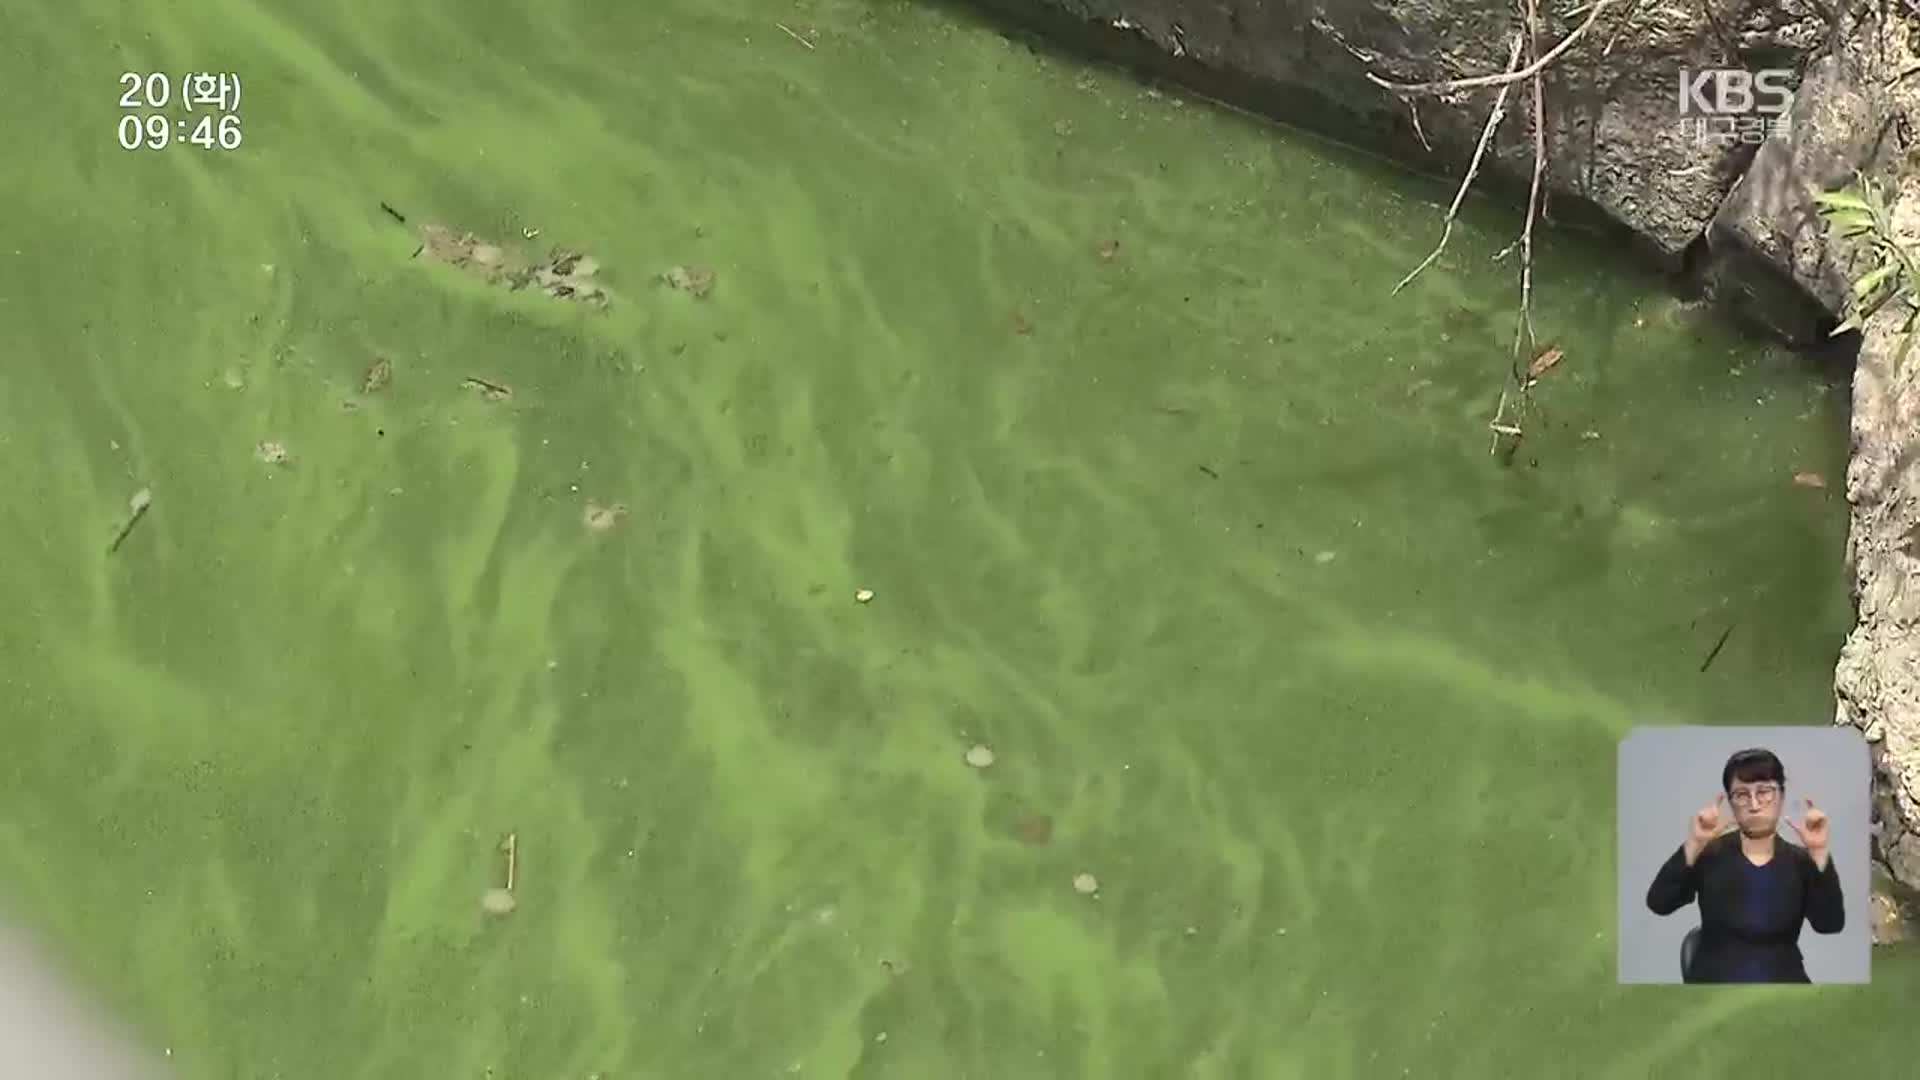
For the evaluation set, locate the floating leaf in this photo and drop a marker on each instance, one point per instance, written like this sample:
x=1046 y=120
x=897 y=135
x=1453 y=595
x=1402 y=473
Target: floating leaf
x=694 y=280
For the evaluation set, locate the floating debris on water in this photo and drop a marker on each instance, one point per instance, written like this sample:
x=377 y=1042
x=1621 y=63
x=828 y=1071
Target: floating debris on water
x=601 y=518
x=565 y=275
x=790 y=33
x=1544 y=363
x=697 y=280
x=980 y=756
x=500 y=901
x=562 y=274
x=1809 y=480
x=378 y=377
x=136 y=509
x=272 y=453
x=1086 y=884
x=441 y=244
x=1035 y=830
x=1325 y=557
x=492 y=391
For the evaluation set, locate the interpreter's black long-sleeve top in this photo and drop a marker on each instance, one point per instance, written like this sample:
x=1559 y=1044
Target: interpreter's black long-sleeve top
x=1750 y=915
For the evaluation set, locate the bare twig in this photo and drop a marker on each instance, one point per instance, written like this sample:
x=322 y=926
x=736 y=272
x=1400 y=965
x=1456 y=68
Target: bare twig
x=1625 y=21
x=1527 y=41
x=794 y=36
x=1507 y=78
x=1525 y=326
x=1473 y=168
x=1414 y=111
x=1523 y=336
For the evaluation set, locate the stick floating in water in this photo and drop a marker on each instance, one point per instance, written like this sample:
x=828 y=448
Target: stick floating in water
x=500 y=901
x=1717 y=646
x=136 y=509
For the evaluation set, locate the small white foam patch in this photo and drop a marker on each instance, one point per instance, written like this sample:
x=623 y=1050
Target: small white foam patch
x=49 y=1031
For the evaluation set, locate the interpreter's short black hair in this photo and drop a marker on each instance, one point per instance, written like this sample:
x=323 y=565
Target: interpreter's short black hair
x=1753 y=767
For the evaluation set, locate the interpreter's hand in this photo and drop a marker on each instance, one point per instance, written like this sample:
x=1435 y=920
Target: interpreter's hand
x=1710 y=822
x=1812 y=831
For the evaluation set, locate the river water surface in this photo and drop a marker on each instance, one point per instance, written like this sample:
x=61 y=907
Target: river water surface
x=1158 y=492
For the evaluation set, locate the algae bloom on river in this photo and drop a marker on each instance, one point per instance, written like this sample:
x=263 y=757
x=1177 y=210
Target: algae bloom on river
x=1076 y=384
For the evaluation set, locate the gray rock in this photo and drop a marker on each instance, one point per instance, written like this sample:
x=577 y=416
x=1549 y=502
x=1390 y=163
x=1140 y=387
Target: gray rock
x=1771 y=253
x=1616 y=141
x=1877 y=679
x=1895 y=909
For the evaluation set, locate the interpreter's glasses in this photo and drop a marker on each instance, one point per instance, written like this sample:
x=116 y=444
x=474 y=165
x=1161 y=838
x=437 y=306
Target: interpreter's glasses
x=1760 y=796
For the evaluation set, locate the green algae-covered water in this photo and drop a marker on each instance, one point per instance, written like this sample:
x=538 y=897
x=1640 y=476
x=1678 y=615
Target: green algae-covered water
x=1159 y=495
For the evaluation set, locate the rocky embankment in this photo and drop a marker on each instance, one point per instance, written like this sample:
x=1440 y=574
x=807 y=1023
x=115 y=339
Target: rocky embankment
x=1735 y=221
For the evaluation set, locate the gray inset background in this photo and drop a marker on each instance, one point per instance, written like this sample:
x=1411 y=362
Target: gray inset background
x=49 y=1029
x=1668 y=773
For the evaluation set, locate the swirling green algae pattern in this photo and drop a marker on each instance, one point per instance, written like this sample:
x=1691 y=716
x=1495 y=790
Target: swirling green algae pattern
x=1161 y=495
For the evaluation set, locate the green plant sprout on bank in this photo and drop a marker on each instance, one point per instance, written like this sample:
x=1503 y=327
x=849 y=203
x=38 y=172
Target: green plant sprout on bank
x=1860 y=210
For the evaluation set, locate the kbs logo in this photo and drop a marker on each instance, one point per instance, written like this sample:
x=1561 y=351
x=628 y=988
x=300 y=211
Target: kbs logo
x=1735 y=92
x=1733 y=105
